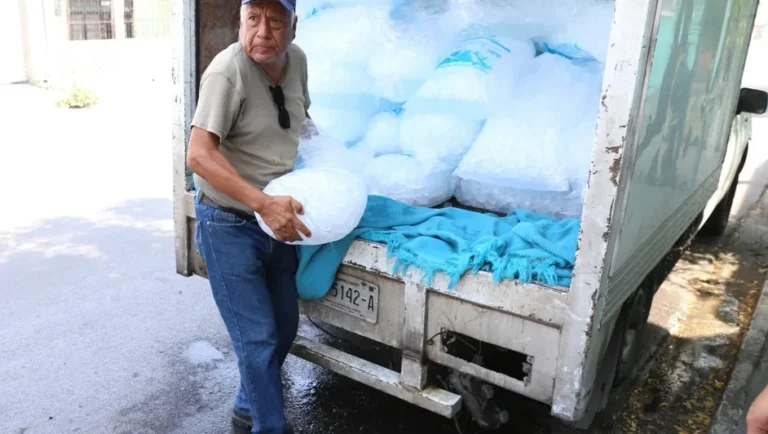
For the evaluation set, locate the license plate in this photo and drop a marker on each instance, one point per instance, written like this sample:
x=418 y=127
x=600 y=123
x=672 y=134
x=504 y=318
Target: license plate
x=355 y=297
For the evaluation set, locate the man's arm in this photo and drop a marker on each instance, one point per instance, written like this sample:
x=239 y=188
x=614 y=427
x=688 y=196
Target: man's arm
x=279 y=212
x=205 y=159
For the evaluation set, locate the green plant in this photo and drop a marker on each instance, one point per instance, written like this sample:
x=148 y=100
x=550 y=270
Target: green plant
x=79 y=98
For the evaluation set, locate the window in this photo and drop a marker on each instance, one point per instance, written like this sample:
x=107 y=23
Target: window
x=97 y=19
x=128 y=19
x=90 y=19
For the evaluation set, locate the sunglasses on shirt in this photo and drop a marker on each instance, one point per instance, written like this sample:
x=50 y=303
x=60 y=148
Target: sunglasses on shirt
x=282 y=114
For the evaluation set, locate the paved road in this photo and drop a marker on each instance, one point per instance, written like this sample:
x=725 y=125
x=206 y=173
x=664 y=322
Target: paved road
x=100 y=335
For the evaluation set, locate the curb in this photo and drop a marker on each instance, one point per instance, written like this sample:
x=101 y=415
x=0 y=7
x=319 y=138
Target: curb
x=749 y=375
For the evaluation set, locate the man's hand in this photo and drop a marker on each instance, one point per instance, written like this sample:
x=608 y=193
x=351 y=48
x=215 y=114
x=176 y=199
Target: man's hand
x=757 y=418
x=279 y=213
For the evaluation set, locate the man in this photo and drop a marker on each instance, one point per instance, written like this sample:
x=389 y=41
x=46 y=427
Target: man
x=252 y=104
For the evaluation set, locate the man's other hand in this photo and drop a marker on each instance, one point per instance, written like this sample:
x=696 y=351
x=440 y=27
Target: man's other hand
x=280 y=214
x=757 y=418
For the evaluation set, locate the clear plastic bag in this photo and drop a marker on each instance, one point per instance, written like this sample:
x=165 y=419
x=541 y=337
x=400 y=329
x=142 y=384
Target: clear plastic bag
x=383 y=134
x=586 y=35
x=342 y=102
x=308 y=8
x=437 y=138
x=504 y=200
x=319 y=149
x=408 y=180
x=464 y=82
x=409 y=53
x=334 y=202
x=520 y=19
x=442 y=120
x=344 y=35
x=535 y=153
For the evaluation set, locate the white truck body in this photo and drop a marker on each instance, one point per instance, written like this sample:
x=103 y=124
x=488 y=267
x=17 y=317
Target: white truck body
x=668 y=146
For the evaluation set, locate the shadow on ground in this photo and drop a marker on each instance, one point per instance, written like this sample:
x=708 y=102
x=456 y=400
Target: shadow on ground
x=100 y=335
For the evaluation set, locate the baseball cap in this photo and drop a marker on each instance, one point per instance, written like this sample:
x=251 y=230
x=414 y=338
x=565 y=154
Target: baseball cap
x=288 y=4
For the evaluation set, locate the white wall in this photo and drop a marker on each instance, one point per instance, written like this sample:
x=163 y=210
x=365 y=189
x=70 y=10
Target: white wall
x=12 y=67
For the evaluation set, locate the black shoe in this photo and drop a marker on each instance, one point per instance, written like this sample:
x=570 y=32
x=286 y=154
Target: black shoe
x=241 y=422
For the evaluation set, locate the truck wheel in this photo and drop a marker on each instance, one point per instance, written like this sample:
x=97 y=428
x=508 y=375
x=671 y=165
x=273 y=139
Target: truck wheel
x=718 y=221
x=633 y=320
x=623 y=351
x=605 y=379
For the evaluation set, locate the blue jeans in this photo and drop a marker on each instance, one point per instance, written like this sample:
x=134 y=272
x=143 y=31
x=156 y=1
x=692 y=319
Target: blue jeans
x=252 y=278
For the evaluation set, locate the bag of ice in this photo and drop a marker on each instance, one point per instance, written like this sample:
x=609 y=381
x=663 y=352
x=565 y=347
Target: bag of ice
x=586 y=35
x=319 y=149
x=464 y=82
x=334 y=202
x=308 y=8
x=383 y=134
x=535 y=153
x=442 y=120
x=342 y=99
x=408 y=180
x=438 y=138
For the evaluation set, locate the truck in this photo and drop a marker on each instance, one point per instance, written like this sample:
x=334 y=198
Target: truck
x=672 y=134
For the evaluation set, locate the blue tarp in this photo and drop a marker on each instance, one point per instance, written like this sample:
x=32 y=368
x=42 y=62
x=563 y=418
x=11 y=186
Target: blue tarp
x=454 y=241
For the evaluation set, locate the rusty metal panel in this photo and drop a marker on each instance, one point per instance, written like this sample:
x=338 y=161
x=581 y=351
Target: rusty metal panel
x=414 y=369
x=218 y=24
x=581 y=338
x=498 y=328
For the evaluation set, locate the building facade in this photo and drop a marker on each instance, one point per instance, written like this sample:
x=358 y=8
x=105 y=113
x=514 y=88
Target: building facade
x=90 y=42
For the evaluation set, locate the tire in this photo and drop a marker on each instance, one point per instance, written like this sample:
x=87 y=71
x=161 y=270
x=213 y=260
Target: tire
x=623 y=351
x=717 y=222
x=631 y=325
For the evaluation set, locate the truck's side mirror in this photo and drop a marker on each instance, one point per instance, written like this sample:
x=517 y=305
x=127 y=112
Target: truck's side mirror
x=752 y=101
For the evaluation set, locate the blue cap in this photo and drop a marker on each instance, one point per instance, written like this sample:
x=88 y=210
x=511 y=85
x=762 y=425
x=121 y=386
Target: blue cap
x=288 y=4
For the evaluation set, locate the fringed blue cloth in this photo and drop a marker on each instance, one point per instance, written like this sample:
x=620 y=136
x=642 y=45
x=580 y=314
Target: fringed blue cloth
x=523 y=245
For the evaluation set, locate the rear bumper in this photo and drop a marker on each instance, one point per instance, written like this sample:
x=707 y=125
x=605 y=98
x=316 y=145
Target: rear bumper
x=385 y=380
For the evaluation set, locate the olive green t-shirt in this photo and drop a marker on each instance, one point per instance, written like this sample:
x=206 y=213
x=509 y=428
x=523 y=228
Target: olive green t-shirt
x=235 y=104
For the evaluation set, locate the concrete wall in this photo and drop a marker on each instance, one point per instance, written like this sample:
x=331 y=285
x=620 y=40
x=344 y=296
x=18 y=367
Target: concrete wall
x=114 y=65
x=151 y=18
x=12 y=67
x=106 y=66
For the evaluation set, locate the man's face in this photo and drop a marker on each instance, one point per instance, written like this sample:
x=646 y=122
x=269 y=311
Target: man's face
x=266 y=31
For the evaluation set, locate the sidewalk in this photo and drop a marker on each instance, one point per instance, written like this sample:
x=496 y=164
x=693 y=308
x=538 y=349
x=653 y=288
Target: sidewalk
x=750 y=372
x=749 y=376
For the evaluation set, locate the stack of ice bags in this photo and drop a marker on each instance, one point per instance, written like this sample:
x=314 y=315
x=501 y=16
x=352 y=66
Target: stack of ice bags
x=402 y=89
x=534 y=153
